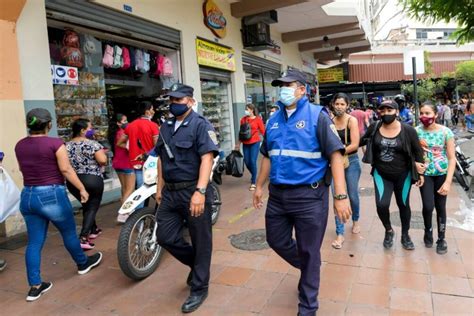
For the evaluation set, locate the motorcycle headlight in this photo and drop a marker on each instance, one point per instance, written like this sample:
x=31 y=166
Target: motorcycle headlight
x=149 y=177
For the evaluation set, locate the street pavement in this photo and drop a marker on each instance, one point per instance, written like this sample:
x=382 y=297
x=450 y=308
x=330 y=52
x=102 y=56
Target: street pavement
x=360 y=279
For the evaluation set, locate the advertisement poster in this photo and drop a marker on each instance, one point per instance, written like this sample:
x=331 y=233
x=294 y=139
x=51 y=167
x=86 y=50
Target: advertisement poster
x=214 y=55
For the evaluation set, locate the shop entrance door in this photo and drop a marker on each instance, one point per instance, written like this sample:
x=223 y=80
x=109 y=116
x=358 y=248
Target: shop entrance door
x=259 y=90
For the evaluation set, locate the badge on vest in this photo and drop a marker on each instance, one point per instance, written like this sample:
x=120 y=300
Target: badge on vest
x=300 y=124
x=274 y=126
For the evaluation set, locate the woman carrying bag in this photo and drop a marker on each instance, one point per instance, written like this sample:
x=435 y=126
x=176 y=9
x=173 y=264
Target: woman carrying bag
x=44 y=164
x=251 y=127
x=348 y=131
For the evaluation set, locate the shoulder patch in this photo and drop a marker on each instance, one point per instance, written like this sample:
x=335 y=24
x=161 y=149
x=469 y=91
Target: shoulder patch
x=213 y=137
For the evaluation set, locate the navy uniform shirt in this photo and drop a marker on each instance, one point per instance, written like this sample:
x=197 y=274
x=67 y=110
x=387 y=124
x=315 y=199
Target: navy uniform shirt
x=194 y=138
x=327 y=135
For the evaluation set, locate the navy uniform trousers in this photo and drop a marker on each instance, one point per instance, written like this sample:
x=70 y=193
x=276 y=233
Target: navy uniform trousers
x=306 y=210
x=173 y=211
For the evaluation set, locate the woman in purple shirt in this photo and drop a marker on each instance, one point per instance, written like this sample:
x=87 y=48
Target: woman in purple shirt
x=44 y=164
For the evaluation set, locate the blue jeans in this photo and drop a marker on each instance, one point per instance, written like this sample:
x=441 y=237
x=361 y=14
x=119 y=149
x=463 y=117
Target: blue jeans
x=352 y=174
x=250 y=159
x=469 y=121
x=139 y=182
x=39 y=205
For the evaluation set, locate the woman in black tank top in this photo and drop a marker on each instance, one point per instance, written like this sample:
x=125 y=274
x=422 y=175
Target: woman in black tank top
x=348 y=131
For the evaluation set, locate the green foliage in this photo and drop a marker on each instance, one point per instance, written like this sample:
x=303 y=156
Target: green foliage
x=426 y=89
x=428 y=64
x=433 y=11
x=465 y=71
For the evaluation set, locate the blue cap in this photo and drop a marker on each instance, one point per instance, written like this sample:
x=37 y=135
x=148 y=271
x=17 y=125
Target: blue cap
x=291 y=75
x=179 y=91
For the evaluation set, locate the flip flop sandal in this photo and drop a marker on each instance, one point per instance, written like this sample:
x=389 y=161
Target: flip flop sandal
x=336 y=244
x=356 y=229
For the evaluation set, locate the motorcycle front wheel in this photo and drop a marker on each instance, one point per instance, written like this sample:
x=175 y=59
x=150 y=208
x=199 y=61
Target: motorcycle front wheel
x=138 y=255
x=216 y=202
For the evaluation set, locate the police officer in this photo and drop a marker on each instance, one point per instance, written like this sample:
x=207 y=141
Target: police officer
x=186 y=148
x=300 y=142
x=406 y=116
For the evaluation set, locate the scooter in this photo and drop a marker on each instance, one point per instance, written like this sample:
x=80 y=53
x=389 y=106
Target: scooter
x=138 y=252
x=463 y=167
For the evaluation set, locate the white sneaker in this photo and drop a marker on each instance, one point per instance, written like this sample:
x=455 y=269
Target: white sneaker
x=122 y=218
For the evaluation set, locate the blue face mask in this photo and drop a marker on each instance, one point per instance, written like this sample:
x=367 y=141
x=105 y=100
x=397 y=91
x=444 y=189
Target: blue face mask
x=287 y=95
x=90 y=134
x=178 y=109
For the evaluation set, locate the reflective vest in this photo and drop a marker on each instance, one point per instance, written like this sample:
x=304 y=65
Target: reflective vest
x=293 y=145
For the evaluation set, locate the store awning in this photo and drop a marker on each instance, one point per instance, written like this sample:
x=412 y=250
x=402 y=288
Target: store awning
x=330 y=29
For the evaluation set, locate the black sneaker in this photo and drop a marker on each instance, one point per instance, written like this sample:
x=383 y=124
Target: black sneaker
x=428 y=239
x=92 y=262
x=35 y=293
x=388 y=240
x=407 y=244
x=441 y=247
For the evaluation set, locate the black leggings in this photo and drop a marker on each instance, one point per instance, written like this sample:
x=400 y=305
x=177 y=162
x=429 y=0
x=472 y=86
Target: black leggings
x=384 y=189
x=95 y=187
x=431 y=199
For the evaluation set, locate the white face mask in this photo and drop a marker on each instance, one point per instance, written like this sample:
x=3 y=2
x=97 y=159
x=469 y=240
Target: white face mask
x=287 y=95
x=247 y=112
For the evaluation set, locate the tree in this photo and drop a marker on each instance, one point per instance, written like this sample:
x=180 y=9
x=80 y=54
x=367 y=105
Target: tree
x=433 y=11
x=465 y=71
x=426 y=89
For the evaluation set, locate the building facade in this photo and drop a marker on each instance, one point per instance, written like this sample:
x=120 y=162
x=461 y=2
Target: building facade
x=98 y=58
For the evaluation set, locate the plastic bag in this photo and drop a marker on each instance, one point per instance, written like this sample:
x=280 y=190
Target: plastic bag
x=235 y=164
x=9 y=196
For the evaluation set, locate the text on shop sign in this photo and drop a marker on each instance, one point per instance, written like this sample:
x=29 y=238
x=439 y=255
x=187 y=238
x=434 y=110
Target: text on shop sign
x=213 y=55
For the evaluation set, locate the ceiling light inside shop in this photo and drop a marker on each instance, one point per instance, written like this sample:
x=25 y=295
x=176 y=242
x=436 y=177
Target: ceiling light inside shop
x=341 y=8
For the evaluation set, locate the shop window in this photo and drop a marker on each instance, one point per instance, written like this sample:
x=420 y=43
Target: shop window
x=109 y=80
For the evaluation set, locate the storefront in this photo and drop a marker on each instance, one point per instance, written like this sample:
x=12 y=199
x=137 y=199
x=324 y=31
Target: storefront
x=259 y=73
x=216 y=63
x=105 y=62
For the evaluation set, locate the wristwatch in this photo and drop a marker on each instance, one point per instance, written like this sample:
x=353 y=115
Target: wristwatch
x=340 y=196
x=201 y=190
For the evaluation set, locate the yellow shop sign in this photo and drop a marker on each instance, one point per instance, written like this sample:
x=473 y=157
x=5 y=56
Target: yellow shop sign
x=216 y=56
x=330 y=75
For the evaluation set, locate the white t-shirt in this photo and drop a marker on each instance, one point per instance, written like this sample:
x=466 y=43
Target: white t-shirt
x=290 y=112
x=177 y=124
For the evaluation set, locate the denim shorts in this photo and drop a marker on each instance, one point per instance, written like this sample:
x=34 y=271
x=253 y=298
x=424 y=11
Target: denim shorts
x=125 y=171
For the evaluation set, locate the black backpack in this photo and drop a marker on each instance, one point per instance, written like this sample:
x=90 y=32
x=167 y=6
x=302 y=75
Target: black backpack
x=245 y=132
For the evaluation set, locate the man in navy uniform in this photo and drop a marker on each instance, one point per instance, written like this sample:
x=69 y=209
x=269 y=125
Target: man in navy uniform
x=186 y=148
x=300 y=142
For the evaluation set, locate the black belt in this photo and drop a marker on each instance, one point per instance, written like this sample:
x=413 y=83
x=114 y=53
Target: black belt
x=179 y=185
x=315 y=185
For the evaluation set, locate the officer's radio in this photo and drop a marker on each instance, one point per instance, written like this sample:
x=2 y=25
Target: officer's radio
x=167 y=149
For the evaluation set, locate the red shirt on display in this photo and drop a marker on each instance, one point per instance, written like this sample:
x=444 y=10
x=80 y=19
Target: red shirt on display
x=141 y=130
x=256 y=126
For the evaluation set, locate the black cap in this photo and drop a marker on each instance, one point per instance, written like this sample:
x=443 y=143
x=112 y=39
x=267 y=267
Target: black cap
x=179 y=90
x=388 y=104
x=291 y=75
x=38 y=116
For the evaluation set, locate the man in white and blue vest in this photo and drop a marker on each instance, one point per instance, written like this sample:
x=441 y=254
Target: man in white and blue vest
x=300 y=145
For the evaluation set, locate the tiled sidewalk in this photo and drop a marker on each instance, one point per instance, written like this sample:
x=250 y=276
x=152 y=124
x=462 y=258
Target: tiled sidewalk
x=360 y=279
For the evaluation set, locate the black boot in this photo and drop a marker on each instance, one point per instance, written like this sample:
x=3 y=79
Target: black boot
x=407 y=244
x=388 y=240
x=441 y=247
x=428 y=239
